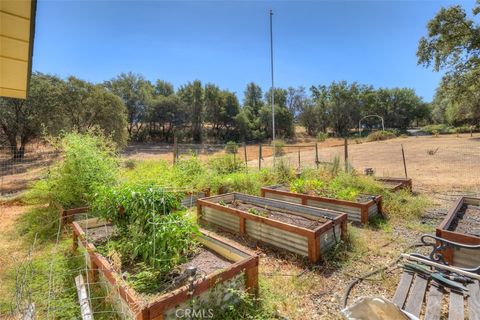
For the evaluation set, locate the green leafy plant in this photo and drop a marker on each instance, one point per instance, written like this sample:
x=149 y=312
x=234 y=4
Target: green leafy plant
x=150 y=231
x=231 y=147
x=254 y=211
x=225 y=164
x=278 y=146
x=283 y=171
x=89 y=160
x=322 y=136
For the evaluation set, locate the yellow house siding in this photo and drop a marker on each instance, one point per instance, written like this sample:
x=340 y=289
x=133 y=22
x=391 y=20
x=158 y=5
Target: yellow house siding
x=16 y=45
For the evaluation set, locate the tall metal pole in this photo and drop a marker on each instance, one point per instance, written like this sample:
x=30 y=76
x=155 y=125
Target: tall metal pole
x=273 y=86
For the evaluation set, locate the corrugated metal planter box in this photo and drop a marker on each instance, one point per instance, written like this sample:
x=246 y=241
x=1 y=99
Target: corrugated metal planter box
x=357 y=211
x=303 y=241
x=459 y=257
x=241 y=274
x=396 y=184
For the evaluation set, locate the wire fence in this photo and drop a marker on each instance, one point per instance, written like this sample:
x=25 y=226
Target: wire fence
x=18 y=171
x=436 y=163
x=432 y=162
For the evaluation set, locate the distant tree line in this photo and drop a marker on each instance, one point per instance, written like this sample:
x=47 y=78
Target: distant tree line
x=200 y=112
x=129 y=107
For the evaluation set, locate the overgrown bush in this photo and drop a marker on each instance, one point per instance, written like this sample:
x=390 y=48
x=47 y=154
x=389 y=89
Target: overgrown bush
x=344 y=186
x=284 y=171
x=322 y=136
x=278 y=146
x=187 y=172
x=89 y=160
x=231 y=147
x=225 y=164
x=248 y=182
x=381 y=135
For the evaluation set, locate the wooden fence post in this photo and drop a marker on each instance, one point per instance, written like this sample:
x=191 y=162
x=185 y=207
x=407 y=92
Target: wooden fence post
x=175 y=149
x=316 y=154
x=260 y=156
x=346 y=154
x=245 y=154
x=404 y=163
x=299 y=158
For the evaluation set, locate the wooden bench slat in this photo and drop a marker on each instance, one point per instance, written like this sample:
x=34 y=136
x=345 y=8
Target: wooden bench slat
x=456 y=306
x=402 y=290
x=434 y=302
x=415 y=298
x=474 y=300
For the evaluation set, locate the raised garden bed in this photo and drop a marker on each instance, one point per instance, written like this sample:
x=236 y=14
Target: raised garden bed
x=304 y=230
x=224 y=265
x=396 y=184
x=360 y=211
x=462 y=225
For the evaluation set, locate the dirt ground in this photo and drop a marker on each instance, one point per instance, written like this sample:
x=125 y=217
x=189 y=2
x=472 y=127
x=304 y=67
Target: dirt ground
x=443 y=163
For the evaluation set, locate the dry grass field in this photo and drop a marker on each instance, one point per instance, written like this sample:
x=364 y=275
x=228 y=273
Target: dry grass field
x=443 y=163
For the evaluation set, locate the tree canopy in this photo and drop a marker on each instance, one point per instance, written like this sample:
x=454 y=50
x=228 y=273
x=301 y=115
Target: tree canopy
x=55 y=105
x=452 y=45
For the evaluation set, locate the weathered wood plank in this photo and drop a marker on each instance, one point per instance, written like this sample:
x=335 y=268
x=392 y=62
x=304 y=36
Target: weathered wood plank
x=402 y=290
x=85 y=308
x=474 y=300
x=415 y=298
x=434 y=303
x=456 y=307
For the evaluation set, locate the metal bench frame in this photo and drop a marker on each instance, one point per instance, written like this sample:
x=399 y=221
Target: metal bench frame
x=414 y=288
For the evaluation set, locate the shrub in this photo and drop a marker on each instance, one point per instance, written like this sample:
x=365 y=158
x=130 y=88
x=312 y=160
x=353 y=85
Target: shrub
x=231 y=147
x=186 y=172
x=380 y=135
x=225 y=164
x=278 y=146
x=435 y=129
x=88 y=160
x=248 y=182
x=322 y=136
x=283 y=171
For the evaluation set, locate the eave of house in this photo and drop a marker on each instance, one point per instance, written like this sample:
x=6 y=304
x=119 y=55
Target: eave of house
x=17 y=30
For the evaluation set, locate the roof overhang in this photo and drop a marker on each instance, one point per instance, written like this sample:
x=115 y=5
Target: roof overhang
x=17 y=30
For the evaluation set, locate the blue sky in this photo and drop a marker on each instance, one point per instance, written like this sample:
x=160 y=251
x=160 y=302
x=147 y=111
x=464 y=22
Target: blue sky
x=227 y=42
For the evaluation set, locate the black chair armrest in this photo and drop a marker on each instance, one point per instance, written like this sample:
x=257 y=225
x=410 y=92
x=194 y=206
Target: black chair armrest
x=439 y=245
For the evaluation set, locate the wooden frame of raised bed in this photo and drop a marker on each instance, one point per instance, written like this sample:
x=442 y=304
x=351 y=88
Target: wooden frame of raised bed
x=311 y=243
x=396 y=184
x=244 y=264
x=460 y=257
x=356 y=211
